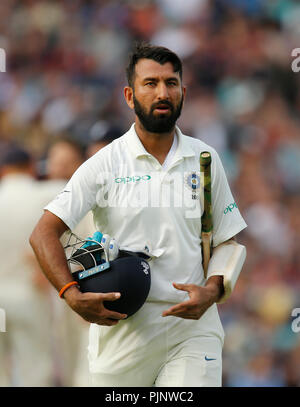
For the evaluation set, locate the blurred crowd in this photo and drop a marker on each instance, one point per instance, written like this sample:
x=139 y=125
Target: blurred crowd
x=61 y=99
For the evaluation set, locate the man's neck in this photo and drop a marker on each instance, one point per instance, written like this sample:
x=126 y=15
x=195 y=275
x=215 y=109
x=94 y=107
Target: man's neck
x=157 y=144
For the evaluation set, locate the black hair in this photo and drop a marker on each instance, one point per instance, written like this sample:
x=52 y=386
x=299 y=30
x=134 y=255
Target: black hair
x=15 y=155
x=159 y=54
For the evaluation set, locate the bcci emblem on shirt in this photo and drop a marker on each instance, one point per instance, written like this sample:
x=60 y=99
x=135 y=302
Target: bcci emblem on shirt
x=192 y=182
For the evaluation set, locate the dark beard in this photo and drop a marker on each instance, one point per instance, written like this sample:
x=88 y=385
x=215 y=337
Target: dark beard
x=160 y=123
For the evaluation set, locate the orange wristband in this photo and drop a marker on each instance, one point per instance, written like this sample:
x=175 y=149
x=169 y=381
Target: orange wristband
x=65 y=287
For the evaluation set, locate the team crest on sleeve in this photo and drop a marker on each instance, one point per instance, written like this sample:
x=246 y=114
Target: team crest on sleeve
x=192 y=182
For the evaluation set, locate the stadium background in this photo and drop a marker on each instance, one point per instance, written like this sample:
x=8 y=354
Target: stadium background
x=65 y=73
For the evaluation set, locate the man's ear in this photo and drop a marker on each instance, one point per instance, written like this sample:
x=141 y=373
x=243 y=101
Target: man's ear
x=128 y=94
x=183 y=93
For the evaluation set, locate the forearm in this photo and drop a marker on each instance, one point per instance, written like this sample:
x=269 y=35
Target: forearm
x=215 y=285
x=50 y=255
x=46 y=244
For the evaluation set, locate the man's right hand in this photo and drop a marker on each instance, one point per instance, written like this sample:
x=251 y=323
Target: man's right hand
x=90 y=306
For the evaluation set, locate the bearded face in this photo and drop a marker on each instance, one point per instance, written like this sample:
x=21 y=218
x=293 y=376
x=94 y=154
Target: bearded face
x=161 y=117
x=156 y=95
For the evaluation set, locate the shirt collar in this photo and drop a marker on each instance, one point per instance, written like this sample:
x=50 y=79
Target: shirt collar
x=138 y=150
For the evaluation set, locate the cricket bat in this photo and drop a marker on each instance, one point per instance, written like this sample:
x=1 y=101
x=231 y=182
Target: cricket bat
x=206 y=218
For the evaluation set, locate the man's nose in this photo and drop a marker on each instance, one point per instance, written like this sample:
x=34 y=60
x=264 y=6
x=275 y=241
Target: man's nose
x=162 y=91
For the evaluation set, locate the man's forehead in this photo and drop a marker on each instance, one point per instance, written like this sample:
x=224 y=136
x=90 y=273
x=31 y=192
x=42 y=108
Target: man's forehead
x=149 y=68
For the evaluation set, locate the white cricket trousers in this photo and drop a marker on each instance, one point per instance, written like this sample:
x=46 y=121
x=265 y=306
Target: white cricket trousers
x=165 y=352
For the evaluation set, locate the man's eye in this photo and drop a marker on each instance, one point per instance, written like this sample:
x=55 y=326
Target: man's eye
x=150 y=83
x=172 y=83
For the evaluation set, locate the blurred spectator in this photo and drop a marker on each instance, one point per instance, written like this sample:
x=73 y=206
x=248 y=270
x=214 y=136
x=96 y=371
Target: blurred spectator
x=101 y=134
x=26 y=351
x=64 y=156
x=259 y=372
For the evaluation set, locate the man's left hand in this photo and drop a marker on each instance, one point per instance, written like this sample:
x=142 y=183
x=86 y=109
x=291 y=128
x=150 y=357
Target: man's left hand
x=201 y=298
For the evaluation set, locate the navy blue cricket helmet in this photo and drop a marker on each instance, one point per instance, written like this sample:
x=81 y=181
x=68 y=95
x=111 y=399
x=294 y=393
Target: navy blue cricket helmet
x=128 y=274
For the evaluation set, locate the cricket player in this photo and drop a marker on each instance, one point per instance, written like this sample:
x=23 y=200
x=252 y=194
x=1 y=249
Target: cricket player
x=26 y=357
x=144 y=190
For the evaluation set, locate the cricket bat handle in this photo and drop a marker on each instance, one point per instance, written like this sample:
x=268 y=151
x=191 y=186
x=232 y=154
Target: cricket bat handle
x=206 y=218
x=206 y=250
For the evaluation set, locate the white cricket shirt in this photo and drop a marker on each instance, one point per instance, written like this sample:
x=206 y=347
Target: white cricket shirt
x=144 y=205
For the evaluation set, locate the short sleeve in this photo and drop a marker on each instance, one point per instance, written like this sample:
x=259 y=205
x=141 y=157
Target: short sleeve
x=77 y=198
x=227 y=220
